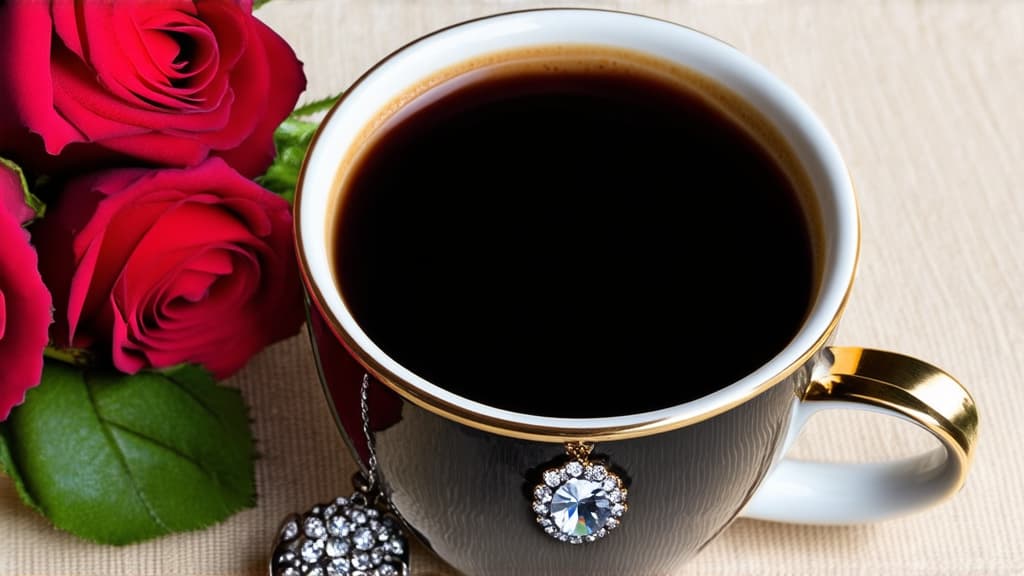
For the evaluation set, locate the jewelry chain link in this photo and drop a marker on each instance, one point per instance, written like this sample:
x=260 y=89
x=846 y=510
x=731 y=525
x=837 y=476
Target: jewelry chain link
x=364 y=409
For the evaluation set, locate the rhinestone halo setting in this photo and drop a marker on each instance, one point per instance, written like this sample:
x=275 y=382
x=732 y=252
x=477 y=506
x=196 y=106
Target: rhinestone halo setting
x=579 y=502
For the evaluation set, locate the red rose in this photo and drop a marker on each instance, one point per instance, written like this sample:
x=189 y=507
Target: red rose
x=25 y=309
x=165 y=81
x=169 y=266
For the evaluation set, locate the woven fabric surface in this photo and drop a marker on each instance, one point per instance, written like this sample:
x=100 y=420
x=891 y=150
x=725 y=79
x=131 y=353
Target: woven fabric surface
x=924 y=100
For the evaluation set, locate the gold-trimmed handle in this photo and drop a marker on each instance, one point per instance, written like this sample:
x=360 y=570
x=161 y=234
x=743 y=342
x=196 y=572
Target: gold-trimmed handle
x=840 y=493
x=918 y=391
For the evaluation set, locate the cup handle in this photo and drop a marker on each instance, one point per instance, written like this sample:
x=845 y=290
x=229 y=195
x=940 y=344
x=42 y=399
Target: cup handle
x=842 y=493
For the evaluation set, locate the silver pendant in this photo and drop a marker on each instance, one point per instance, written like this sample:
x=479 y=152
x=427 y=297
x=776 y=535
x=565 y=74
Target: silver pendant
x=580 y=501
x=347 y=537
x=354 y=536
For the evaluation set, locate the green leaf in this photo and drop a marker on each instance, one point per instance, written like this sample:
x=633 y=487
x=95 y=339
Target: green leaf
x=7 y=466
x=33 y=202
x=316 y=106
x=292 y=139
x=118 y=459
x=259 y=3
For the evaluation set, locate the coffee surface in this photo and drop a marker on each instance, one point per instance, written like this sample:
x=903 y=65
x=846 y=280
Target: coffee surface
x=531 y=237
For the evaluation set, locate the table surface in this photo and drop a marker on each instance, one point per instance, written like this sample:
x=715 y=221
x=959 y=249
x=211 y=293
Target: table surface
x=923 y=98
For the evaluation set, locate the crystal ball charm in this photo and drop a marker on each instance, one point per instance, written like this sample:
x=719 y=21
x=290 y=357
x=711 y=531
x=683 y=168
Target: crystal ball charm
x=579 y=502
x=346 y=537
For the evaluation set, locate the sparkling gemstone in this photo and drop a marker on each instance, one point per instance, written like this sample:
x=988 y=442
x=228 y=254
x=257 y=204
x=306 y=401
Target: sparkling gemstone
x=338 y=567
x=550 y=529
x=575 y=540
x=580 y=507
x=377 y=556
x=339 y=525
x=340 y=501
x=602 y=532
x=372 y=513
x=360 y=573
x=615 y=496
x=337 y=547
x=358 y=516
x=312 y=550
x=589 y=538
x=618 y=509
x=596 y=472
x=291 y=571
x=363 y=539
x=362 y=561
x=552 y=478
x=329 y=511
x=574 y=469
x=315 y=571
x=543 y=521
x=374 y=525
x=383 y=535
x=290 y=530
x=540 y=508
x=388 y=570
x=609 y=484
x=612 y=523
x=396 y=546
x=315 y=510
x=286 y=557
x=314 y=527
x=542 y=493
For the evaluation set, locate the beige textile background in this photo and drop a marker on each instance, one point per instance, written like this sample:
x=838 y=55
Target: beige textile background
x=926 y=100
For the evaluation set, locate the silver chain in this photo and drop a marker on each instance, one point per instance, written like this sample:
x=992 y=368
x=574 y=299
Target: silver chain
x=364 y=408
x=295 y=540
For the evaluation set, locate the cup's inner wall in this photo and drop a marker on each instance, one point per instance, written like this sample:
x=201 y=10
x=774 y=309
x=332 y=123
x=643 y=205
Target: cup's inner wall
x=679 y=273
x=767 y=107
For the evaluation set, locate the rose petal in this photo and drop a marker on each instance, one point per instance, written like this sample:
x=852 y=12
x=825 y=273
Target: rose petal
x=124 y=225
x=226 y=297
x=3 y=314
x=127 y=358
x=160 y=148
x=152 y=67
x=99 y=115
x=210 y=261
x=119 y=58
x=25 y=42
x=180 y=230
x=12 y=196
x=24 y=315
x=59 y=261
x=188 y=61
x=66 y=25
x=176 y=59
x=254 y=155
x=167 y=343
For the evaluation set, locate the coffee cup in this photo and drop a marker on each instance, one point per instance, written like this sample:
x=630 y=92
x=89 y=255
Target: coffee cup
x=503 y=484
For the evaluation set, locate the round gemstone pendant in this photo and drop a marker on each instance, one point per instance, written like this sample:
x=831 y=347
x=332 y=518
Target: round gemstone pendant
x=580 y=501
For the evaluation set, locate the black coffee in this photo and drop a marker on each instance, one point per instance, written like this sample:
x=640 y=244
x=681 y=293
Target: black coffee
x=530 y=237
